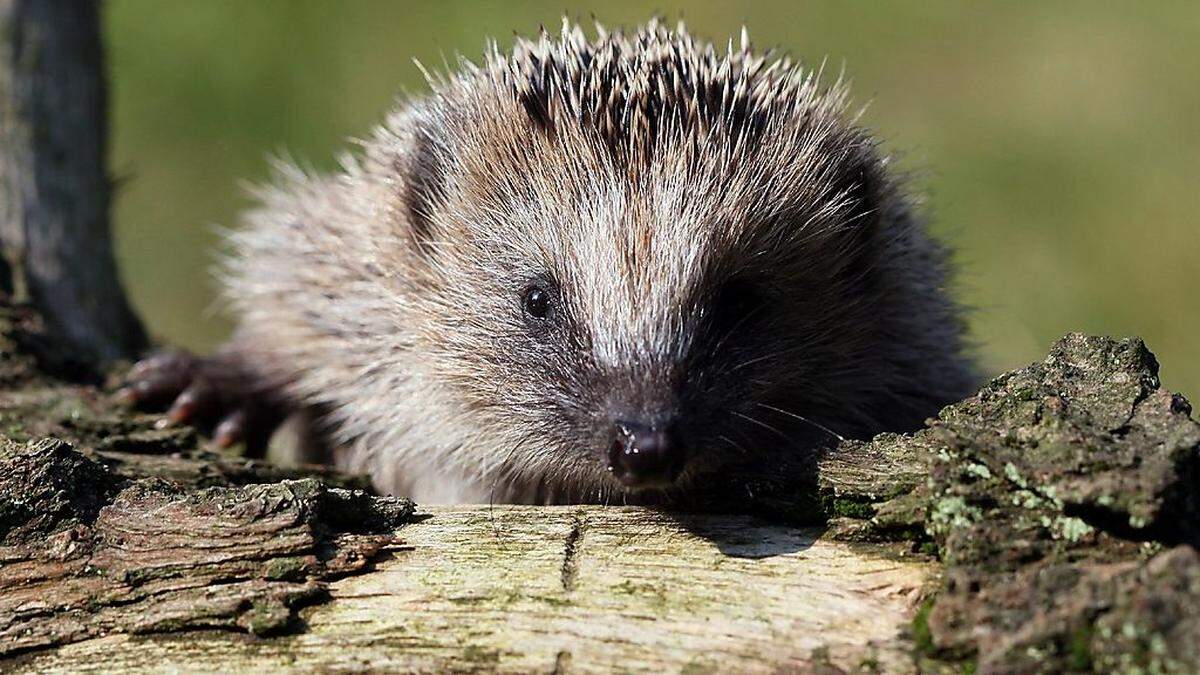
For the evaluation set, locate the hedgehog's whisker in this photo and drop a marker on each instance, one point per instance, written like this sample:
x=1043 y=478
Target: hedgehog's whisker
x=804 y=419
x=772 y=355
x=734 y=444
x=756 y=421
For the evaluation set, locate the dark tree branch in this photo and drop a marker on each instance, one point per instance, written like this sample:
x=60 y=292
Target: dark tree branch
x=54 y=189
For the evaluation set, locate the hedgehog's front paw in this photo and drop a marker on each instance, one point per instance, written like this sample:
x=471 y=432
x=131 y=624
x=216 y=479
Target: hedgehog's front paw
x=211 y=394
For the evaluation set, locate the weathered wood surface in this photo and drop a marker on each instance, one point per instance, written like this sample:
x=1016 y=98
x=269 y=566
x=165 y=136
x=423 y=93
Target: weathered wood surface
x=573 y=589
x=84 y=552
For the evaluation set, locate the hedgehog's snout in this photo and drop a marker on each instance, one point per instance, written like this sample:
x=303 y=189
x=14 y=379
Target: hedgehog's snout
x=645 y=455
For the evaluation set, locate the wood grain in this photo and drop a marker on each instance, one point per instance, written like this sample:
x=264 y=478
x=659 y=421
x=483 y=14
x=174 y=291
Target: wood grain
x=574 y=589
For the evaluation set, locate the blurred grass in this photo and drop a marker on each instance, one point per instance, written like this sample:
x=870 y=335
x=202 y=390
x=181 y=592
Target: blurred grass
x=1058 y=143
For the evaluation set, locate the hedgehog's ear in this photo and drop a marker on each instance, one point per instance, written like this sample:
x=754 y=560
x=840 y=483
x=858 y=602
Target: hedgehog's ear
x=424 y=180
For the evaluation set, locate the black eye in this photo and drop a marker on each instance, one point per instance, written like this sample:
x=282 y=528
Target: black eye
x=538 y=302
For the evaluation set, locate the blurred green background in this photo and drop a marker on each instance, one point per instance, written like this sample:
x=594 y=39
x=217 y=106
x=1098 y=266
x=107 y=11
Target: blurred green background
x=1058 y=143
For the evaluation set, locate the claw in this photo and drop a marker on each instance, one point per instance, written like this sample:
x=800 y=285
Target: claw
x=201 y=392
x=183 y=408
x=198 y=403
x=231 y=429
x=159 y=379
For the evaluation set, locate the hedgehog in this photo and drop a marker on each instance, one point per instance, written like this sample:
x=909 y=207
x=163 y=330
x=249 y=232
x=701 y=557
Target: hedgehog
x=597 y=267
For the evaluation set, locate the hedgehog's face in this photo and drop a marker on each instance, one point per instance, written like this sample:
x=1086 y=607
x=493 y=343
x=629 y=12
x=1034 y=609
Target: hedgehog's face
x=611 y=334
x=628 y=313
x=620 y=347
x=647 y=385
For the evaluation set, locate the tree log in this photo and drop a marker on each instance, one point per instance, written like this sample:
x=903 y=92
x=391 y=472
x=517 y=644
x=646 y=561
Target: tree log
x=575 y=589
x=54 y=189
x=1047 y=524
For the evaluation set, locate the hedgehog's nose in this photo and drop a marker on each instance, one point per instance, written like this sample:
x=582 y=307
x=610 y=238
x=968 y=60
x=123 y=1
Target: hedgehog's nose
x=645 y=455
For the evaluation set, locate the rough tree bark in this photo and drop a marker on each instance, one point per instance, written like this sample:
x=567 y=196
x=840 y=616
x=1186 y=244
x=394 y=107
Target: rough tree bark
x=54 y=190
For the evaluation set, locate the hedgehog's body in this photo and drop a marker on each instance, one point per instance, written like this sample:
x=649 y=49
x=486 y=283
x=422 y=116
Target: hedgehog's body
x=631 y=255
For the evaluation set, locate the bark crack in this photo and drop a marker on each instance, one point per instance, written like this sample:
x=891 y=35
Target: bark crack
x=571 y=553
x=562 y=663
